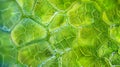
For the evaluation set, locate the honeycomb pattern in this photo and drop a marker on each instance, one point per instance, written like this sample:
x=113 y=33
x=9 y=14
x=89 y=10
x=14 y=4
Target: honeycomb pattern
x=59 y=33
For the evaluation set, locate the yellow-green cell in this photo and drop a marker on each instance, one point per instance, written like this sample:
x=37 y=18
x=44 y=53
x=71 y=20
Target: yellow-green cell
x=59 y=20
x=63 y=37
x=35 y=54
x=26 y=31
x=83 y=14
x=44 y=11
x=26 y=6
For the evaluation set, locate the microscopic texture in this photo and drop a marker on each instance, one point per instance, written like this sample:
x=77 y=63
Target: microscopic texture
x=59 y=33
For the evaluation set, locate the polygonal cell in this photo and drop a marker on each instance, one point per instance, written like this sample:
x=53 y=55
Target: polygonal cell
x=102 y=28
x=63 y=38
x=26 y=5
x=7 y=49
x=75 y=58
x=115 y=33
x=92 y=37
x=58 y=21
x=44 y=11
x=26 y=31
x=35 y=54
x=86 y=39
x=9 y=15
x=83 y=14
x=61 y=4
x=87 y=36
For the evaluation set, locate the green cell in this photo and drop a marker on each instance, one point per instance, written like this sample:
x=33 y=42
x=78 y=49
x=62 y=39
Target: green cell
x=9 y=15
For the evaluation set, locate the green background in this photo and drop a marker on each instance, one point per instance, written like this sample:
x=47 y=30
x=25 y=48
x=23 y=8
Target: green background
x=59 y=33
